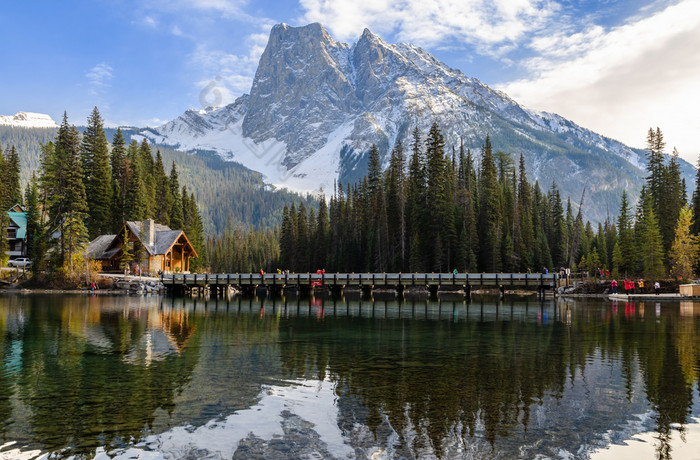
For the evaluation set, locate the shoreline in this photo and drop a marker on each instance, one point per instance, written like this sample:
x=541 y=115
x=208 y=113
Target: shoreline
x=73 y=291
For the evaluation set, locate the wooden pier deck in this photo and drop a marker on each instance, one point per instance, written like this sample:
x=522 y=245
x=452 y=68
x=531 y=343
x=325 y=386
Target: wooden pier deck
x=366 y=281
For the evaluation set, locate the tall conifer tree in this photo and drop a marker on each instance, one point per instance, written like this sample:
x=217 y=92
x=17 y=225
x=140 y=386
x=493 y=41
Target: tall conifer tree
x=489 y=212
x=97 y=176
x=177 y=219
x=163 y=194
x=3 y=210
x=62 y=180
x=626 y=259
x=136 y=196
x=13 y=191
x=119 y=177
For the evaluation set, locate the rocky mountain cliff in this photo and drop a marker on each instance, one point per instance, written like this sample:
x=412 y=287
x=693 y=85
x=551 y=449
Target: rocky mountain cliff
x=317 y=105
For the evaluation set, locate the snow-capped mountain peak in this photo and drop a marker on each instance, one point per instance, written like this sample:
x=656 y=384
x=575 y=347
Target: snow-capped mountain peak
x=28 y=120
x=317 y=105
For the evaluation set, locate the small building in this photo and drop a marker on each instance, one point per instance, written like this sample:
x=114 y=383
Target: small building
x=154 y=248
x=16 y=232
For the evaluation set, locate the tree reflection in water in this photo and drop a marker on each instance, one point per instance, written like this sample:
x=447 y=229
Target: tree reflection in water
x=424 y=378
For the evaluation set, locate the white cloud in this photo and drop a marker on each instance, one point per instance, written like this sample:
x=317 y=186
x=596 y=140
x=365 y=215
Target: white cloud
x=623 y=80
x=99 y=78
x=232 y=9
x=224 y=75
x=487 y=24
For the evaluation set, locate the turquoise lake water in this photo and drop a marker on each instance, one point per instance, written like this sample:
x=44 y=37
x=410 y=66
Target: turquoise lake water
x=162 y=377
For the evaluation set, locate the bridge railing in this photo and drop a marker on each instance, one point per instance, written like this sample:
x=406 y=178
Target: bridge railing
x=361 y=279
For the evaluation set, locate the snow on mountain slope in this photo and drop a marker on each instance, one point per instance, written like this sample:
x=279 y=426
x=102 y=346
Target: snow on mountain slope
x=28 y=120
x=317 y=105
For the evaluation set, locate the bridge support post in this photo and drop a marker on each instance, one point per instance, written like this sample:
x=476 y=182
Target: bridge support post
x=248 y=289
x=434 y=288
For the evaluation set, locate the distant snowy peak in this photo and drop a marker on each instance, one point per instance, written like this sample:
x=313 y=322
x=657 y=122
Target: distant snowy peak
x=28 y=120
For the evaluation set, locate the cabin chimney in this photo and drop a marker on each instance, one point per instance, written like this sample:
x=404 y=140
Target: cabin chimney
x=149 y=232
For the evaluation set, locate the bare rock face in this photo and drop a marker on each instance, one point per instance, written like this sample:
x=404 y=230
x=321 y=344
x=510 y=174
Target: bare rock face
x=323 y=104
x=301 y=91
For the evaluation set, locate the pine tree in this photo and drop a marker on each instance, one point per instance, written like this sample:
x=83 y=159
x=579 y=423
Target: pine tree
x=119 y=165
x=655 y=166
x=301 y=257
x=127 y=255
x=286 y=239
x=602 y=246
x=557 y=227
x=3 y=208
x=489 y=215
x=416 y=199
x=439 y=230
x=626 y=259
x=163 y=195
x=396 y=209
x=176 y=216
x=525 y=238
x=471 y=206
x=35 y=236
x=649 y=242
x=62 y=183
x=97 y=176
x=673 y=191
x=13 y=191
x=195 y=233
x=373 y=197
x=685 y=249
x=322 y=232
x=136 y=198
x=147 y=167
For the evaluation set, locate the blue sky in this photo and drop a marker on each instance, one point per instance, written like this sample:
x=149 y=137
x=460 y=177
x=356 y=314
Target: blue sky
x=617 y=67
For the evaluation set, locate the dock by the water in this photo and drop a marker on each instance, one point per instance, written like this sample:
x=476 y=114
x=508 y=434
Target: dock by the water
x=336 y=282
x=650 y=297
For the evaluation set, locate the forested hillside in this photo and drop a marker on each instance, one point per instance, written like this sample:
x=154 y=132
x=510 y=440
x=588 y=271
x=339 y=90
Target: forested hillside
x=437 y=212
x=223 y=190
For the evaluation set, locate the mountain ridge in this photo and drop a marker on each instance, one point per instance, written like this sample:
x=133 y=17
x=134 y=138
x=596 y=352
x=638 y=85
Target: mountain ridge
x=317 y=105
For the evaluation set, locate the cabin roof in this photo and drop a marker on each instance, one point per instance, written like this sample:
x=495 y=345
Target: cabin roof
x=164 y=240
x=17 y=208
x=20 y=220
x=98 y=246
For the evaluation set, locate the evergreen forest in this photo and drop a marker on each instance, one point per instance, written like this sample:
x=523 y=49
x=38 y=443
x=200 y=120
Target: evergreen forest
x=433 y=208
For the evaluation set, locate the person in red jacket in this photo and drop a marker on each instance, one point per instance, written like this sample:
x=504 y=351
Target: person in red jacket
x=614 y=286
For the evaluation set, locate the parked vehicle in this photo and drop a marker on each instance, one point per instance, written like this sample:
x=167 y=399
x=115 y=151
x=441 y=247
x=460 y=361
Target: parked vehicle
x=21 y=262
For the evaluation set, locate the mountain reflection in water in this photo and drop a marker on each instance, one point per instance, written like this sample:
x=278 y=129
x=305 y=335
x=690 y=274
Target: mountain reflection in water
x=153 y=377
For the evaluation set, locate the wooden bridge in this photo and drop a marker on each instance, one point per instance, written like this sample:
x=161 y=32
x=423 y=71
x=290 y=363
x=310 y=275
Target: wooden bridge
x=336 y=282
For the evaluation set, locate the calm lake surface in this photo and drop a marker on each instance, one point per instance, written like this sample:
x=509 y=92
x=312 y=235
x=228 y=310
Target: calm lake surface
x=161 y=377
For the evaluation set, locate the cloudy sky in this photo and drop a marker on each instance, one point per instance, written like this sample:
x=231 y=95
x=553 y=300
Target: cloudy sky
x=614 y=66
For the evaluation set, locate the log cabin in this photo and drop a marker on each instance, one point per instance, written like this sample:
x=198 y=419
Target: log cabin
x=155 y=247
